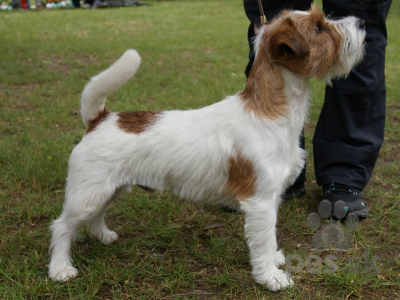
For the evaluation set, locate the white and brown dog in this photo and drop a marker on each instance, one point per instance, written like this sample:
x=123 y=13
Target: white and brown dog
x=241 y=152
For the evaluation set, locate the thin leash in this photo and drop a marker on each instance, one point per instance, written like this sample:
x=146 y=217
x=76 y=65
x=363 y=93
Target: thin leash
x=263 y=18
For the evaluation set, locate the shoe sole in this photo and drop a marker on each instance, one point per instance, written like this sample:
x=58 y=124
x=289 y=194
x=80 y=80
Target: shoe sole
x=362 y=214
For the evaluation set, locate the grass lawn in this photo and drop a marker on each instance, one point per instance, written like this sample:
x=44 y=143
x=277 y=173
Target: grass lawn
x=193 y=54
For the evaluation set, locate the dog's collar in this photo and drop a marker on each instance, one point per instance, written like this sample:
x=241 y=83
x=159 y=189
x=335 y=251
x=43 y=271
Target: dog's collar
x=263 y=18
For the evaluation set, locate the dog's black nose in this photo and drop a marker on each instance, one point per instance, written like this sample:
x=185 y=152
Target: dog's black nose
x=361 y=24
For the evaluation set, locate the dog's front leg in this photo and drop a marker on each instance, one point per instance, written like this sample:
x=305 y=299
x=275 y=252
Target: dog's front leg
x=260 y=231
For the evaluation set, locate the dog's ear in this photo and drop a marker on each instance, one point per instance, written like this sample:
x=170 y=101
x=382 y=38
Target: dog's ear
x=288 y=43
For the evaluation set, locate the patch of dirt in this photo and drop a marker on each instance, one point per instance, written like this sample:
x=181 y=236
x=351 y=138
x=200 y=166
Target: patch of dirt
x=82 y=34
x=90 y=60
x=390 y=153
x=57 y=65
x=16 y=94
x=186 y=54
x=393 y=113
x=209 y=51
x=64 y=65
x=394 y=107
x=309 y=128
x=19 y=87
x=394 y=119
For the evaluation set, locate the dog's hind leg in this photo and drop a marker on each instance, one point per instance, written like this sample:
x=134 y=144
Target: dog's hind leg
x=260 y=231
x=97 y=225
x=82 y=203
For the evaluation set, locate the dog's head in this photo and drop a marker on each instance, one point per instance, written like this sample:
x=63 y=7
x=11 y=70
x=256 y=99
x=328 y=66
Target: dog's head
x=310 y=44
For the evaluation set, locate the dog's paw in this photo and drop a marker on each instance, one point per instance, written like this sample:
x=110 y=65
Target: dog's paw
x=275 y=280
x=108 y=237
x=279 y=259
x=68 y=272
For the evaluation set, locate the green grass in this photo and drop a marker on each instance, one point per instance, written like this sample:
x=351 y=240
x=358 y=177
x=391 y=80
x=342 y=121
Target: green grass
x=194 y=53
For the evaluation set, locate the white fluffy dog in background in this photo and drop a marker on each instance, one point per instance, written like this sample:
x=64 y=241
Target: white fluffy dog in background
x=241 y=152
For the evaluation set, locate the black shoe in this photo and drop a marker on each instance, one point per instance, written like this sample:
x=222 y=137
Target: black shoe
x=296 y=190
x=354 y=201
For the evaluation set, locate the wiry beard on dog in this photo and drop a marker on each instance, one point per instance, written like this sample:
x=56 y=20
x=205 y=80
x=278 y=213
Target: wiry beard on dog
x=241 y=152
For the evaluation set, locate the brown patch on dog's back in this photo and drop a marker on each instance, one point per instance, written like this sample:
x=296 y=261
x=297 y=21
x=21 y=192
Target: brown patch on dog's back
x=92 y=124
x=136 y=121
x=242 y=176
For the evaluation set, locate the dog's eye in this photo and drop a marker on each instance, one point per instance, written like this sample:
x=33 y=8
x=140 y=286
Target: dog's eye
x=318 y=28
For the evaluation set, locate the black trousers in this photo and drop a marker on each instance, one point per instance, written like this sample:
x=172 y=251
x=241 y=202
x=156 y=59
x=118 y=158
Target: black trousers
x=350 y=128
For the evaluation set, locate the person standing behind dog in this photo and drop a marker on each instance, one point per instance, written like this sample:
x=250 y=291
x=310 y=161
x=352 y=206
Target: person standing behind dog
x=350 y=129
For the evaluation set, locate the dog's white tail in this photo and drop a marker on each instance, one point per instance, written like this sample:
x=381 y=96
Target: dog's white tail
x=95 y=94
